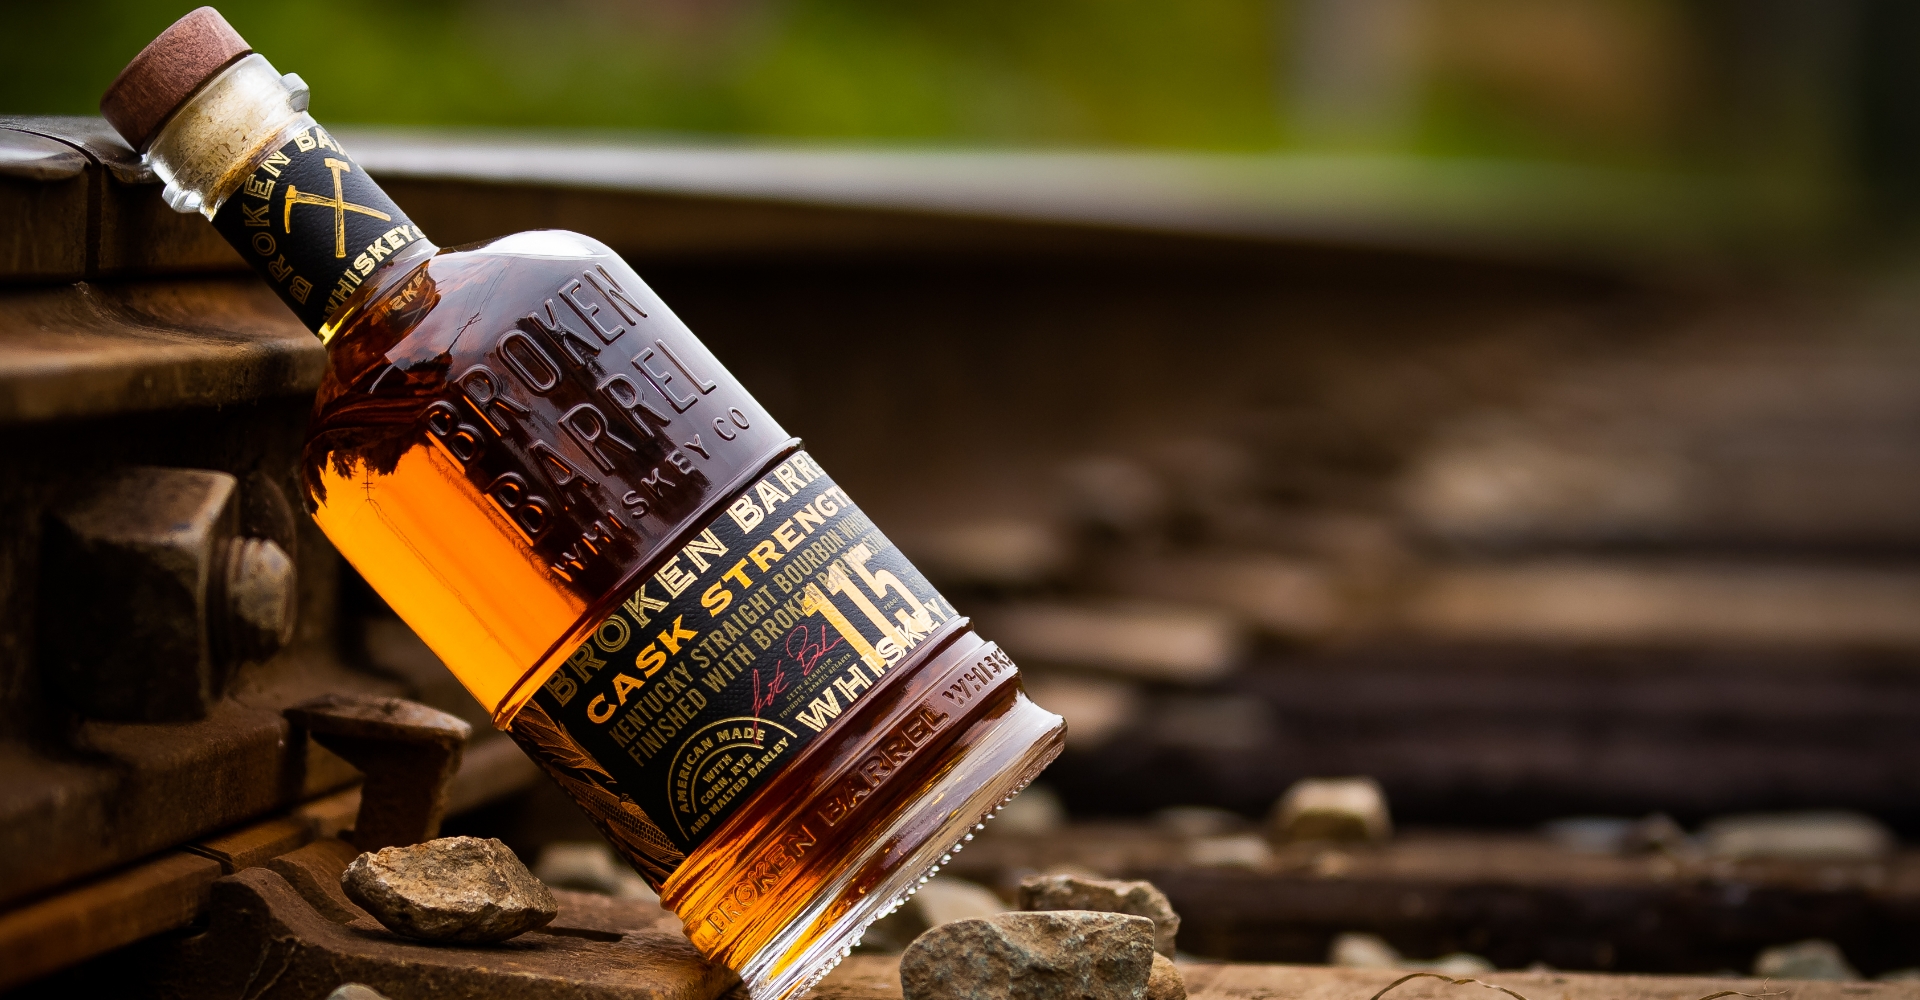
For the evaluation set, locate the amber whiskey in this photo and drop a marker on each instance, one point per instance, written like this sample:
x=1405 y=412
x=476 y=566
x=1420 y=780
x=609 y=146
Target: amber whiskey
x=657 y=591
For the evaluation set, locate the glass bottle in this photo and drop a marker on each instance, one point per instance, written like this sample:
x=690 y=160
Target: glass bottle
x=653 y=588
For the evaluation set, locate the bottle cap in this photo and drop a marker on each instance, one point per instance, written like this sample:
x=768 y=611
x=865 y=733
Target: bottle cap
x=167 y=72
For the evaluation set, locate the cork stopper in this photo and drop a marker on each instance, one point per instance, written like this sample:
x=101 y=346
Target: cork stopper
x=167 y=72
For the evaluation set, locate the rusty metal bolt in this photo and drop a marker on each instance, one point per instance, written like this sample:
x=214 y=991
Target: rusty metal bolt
x=148 y=597
x=260 y=597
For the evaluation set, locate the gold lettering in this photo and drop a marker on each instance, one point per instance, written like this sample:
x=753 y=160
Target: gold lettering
x=671 y=637
x=816 y=603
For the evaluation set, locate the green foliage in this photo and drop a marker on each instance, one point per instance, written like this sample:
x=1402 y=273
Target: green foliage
x=1199 y=73
x=1632 y=84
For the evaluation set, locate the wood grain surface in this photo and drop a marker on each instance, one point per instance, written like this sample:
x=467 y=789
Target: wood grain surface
x=878 y=978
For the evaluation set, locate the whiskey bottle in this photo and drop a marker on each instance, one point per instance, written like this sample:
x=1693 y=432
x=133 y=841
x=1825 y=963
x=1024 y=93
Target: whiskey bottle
x=660 y=594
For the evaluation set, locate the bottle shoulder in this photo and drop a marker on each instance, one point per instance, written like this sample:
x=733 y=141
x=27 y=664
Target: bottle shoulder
x=545 y=334
x=536 y=244
x=465 y=291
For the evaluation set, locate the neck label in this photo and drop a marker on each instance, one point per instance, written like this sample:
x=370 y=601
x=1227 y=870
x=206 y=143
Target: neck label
x=313 y=224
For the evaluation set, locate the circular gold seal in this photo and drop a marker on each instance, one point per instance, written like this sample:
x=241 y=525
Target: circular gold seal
x=717 y=763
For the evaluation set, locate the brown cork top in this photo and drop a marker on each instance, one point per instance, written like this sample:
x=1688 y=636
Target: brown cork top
x=167 y=72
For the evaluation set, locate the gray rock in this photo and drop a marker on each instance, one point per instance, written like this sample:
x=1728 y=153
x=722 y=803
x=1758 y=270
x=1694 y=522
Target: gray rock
x=1799 y=836
x=891 y=934
x=356 y=991
x=1369 y=951
x=1363 y=951
x=1165 y=982
x=1457 y=963
x=1814 y=959
x=941 y=900
x=1235 y=850
x=1057 y=955
x=1197 y=821
x=1072 y=892
x=1034 y=812
x=945 y=900
x=1337 y=809
x=460 y=890
x=589 y=866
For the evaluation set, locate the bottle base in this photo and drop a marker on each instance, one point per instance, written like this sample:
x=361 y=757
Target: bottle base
x=877 y=880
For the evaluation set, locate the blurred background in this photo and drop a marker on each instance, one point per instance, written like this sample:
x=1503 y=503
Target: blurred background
x=1807 y=108
x=1512 y=403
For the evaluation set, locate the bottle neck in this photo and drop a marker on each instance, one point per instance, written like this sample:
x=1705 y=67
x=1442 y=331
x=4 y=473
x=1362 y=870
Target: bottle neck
x=243 y=152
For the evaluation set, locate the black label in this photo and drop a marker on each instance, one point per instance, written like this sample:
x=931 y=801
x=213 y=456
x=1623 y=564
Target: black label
x=313 y=224
x=765 y=627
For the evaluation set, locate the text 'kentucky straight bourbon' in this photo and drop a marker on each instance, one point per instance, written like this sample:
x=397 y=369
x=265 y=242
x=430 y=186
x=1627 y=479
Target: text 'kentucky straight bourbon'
x=663 y=598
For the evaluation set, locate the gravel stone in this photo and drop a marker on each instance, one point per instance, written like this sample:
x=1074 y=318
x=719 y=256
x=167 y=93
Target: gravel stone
x=456 y=890
x=1814 y=959
x=1335 y=809
x=1799 y=836
x=1368 y=951
x=590 y=866
x=1166 y=983
x=1055 y=955
x=356 y=991
x=1072 y=892
x=941 y=900
x=1363 y=951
